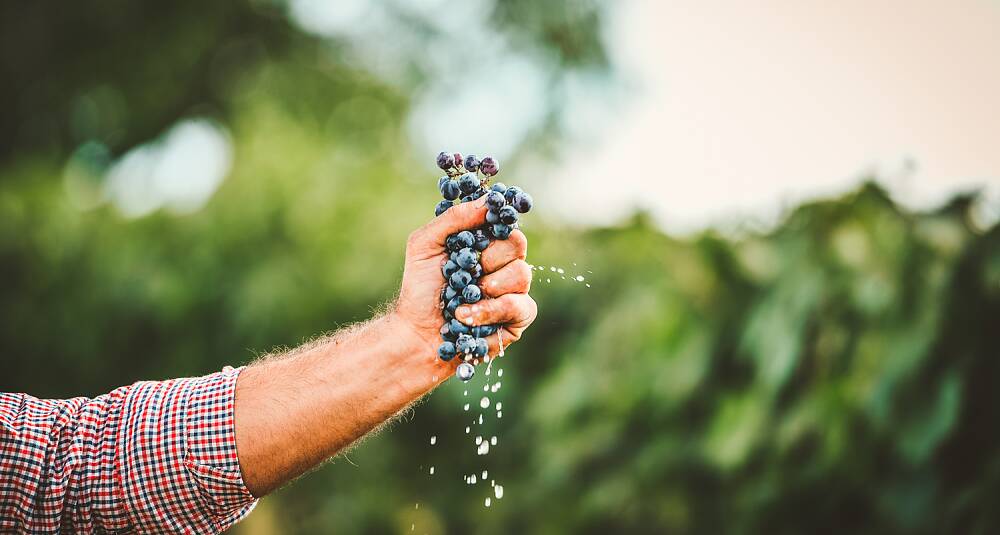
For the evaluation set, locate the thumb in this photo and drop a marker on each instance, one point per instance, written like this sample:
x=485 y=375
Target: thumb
x=465 y=216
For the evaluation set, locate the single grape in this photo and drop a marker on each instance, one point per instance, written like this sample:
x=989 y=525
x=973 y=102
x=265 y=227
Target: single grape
x=482 y=331
x=452 y=244
x=460 y=279
x=452 y=306
x=465 y=239
x=508 y=215
x=482 y=241
x=446 y=351
x=467 y=258
x=450 y=190
x=509 y=194
x=495 y=201
x=468 y=183
x=471 y=294
x=442 y=180
x=448 y=294
x=446 y=334
x=500 y=232
x=472 y=163
x=445 y=161
x=458 y=158
x=492 y=217
x=489 y=166
x=499 y=187
x=478 y=193
x=456 y=327
x=465 y=344
x=449 y=268
x=522 y=202
x=443 y=207
x=482 y=347
x=476 y=272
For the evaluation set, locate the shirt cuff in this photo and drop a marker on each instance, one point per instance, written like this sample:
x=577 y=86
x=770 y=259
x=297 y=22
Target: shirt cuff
x=177 y=460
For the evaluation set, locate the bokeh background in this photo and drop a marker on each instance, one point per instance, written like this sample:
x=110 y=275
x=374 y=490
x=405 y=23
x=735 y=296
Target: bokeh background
x=785 y=216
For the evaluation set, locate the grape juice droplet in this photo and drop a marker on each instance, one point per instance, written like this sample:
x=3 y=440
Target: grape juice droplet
x=434 y=440
x=485 y=402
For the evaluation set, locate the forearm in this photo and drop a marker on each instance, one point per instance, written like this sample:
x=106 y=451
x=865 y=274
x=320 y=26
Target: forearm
x=292 y=411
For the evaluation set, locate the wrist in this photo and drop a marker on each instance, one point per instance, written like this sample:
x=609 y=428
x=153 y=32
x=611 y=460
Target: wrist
x=414 y=362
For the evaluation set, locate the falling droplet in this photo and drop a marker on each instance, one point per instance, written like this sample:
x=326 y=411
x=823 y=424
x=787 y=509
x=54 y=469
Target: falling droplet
x=434 y=440
x=487 y=502
x=465 y=392
x=579 y=278
x=485 y=402
x=499 y=414
x=484 y=475
x=479 y=440
x=480 y=419
x=560 y=271
x=484 y=448
x=553 y=268
x=467 y=430
x=472 y=479
x=548 y=280
x=486 y=387
x=498 y=491
x=416 y=505
x=493 y=441
x=499 y=405
x=432 y=470
x=494 y=389
x=500 y=373
x=466 y=407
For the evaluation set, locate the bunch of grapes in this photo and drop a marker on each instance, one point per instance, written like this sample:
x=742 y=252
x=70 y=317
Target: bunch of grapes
x=462 y=271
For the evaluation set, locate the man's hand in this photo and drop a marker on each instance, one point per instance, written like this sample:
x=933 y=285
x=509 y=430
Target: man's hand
x=294 y=410
x=505 y=284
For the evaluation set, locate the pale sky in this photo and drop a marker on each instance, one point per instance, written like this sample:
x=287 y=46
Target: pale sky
x=743 y=107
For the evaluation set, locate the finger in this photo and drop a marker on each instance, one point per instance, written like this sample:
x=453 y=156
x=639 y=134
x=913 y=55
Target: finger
x=511 y=310
x=514 y=278
x=502 y=252
x=465 y=216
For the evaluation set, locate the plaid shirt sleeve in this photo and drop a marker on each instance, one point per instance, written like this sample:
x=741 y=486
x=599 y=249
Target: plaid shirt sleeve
x=156 y=456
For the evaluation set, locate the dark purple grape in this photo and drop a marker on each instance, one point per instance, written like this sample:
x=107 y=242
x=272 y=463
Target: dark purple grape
x=453 y=244
x=476 y=272
x=471 y=294
x=443 y=207
x=499 y=186
x=492 y=217
x=448 y=269
x=489 y=166
x=446 y=334
x=482 y=331
x=446 y=351
x=452 y=306
x=456 y=327
x=495 y=201
x=478 y=193
x=458 y=158
x=450 y=190
x=522 y=202
x=472 y=163
x=500 y=232
x=482 y=241
x=465 y=239
x=445 y=161
x=442 y=180
x=468 y=183
x=509 y=194
x=508 y=215
x=465 y=344
x=460 y=279
x=467 y=258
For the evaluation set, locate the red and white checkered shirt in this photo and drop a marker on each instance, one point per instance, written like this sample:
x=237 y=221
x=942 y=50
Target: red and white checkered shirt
x=156 y=456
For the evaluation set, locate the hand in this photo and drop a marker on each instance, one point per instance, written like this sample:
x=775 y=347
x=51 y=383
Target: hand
x=505 y=283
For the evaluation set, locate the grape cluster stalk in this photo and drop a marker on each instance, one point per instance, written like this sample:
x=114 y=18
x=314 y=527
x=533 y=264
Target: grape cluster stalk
x=468 y=179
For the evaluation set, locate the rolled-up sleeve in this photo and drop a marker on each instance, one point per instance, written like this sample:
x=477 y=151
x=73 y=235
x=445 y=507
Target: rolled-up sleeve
x=156 y=456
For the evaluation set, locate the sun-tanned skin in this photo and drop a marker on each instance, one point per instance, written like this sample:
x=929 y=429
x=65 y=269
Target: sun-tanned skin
x=297 y=409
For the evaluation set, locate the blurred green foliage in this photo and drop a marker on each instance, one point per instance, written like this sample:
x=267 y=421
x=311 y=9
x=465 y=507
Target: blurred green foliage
x=836 y=373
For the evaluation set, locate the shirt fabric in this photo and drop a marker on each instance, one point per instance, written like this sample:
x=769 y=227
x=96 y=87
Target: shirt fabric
x=153 y=457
